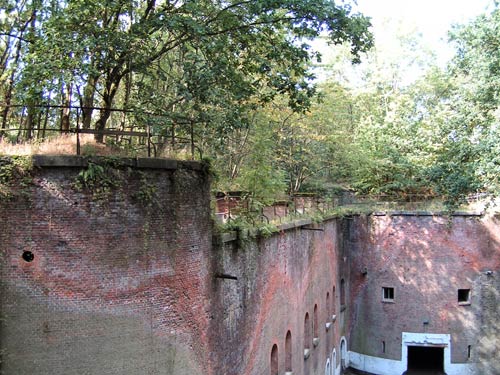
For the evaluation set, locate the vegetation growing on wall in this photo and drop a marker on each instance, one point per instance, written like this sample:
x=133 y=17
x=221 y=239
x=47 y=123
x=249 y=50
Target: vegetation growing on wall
x=377 y=134
x=233 y=81
x=15 y=176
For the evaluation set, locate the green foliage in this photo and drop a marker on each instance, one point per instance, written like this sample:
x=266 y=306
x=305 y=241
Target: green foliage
x=15 y=175
x=246 y=228
x=192 y=66
x=99 y=179
x=147 y=194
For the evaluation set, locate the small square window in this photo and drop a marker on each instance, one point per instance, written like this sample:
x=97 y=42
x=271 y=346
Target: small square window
x=387 y=294
x=464 y=296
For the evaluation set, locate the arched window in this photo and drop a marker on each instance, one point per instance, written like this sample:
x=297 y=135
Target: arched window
x=327 y=367
x=274 y=360
x=333 y=300
x=315 y=322
x=288 y=352
x=342 y=292
x=343 y=353
x=334 y=361
x=328 y=305
x=307 y=332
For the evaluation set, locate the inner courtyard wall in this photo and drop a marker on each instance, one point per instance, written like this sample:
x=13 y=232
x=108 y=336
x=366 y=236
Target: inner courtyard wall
x=132 y=279
x=280 y=279
x=426 y=259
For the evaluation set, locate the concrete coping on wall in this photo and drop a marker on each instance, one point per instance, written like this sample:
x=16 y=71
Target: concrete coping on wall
x=73 y=161
x=234 y=235
x=426 y=213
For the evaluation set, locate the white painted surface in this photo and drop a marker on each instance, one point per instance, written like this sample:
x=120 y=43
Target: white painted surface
x=382 y=366
x=376 y=365
x=333 y=361
x=344 y=356
x=335 y=369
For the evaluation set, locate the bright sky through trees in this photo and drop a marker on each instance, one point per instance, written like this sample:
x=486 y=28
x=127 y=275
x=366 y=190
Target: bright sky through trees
x=426 y=21
x=432 y=18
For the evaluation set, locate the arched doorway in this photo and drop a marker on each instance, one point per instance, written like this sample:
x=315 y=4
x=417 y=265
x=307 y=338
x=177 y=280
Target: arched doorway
x=327 y=367
x=343 y=354
x=334 y=361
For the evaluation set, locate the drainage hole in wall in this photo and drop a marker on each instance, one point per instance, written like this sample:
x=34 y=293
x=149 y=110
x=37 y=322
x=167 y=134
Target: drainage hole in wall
x=28 y=256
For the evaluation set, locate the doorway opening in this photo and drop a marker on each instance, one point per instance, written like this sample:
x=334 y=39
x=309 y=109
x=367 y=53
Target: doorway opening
x=425 y=359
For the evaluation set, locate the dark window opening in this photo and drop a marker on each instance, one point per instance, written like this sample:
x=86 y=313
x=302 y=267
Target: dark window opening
x=468 y=351
x=342 y=292
x=288 y=352
x=425 y=358
x=388 y=294
x=383 y=346
x=333 y=301
x=328 y=306
x=307 y=332
x=274 y=360
x=464 y=296
x=315 y=322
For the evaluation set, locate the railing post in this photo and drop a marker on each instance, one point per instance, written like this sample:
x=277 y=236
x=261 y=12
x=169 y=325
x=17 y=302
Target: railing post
x=77 y=132
x=148 y=129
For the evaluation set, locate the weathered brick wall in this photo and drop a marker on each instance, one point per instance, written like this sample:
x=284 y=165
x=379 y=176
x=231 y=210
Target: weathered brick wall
x=127 y=281
x=426 y=259
x=280 y=279
x=118 y=284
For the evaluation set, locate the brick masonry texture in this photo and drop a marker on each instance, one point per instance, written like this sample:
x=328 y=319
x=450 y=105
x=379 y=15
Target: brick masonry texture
x=426 y=259
x=280 y=279
x=116 y=286
x=123 y=286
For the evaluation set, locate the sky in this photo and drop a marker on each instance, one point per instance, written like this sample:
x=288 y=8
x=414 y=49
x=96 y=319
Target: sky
x=430 y=18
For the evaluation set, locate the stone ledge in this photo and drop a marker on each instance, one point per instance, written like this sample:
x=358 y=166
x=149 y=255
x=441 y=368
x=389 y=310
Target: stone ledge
x=307 y=353
x=426 y=213
x=59 y=161
x=233 y=235
x=72 y=161
x=294 y=224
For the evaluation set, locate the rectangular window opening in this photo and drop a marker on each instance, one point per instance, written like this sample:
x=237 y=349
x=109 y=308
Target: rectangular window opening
x=387 y=294
x=468 y=351
x=464 y=296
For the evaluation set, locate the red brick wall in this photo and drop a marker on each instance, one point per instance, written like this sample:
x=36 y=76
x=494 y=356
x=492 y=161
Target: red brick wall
x=280 y=279
x=123 y=286
x=115 y=286
x=426 y=259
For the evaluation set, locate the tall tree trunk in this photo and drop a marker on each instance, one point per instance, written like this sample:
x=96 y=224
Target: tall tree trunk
x=112 y=84
x=65 y=111
x=32 y=101
x=45 y=121
x=4 y=64
x=10 y=88
x=30 y=119
x=88 y=101
x=128 y=89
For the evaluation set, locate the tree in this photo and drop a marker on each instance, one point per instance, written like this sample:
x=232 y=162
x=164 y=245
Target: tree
x=247 y=51
x=476 y=103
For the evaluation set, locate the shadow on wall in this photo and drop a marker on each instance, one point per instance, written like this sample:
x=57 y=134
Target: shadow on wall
x=100 y=281
x=426 y=274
